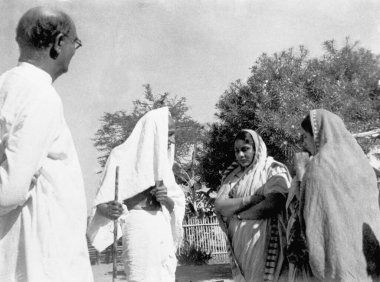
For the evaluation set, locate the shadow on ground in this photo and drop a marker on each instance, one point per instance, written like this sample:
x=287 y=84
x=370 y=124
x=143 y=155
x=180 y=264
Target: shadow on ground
x=184 y=273
x=213 y=272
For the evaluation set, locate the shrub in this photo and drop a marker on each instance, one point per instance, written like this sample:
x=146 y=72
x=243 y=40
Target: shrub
x=190 y=254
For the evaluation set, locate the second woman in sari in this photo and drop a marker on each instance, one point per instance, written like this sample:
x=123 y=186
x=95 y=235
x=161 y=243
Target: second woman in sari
x=250 y=207
x=338 y=211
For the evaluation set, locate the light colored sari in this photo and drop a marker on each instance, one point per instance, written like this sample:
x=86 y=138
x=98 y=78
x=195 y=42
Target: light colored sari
x=256 y=246
x=339 y=200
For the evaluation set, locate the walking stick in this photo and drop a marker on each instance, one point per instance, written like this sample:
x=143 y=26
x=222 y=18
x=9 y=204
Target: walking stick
x=114 y=269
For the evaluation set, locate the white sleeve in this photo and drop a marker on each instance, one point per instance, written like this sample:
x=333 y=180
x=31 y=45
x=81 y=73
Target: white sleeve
x=26 y=147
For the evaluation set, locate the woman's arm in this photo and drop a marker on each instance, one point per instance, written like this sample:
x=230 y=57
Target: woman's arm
x=269 y=207
x=229 y=206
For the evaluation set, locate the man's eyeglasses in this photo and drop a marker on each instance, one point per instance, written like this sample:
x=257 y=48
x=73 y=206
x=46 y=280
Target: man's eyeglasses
x=76 y=41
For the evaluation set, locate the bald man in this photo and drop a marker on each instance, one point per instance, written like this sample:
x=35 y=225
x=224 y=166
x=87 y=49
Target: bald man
x=42 y=201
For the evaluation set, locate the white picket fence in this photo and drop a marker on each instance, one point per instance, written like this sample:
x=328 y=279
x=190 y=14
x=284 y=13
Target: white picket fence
x=206 y=234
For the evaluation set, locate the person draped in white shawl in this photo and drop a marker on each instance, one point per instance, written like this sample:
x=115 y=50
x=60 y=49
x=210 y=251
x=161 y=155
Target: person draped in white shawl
x=153 y=204
x=250 y=208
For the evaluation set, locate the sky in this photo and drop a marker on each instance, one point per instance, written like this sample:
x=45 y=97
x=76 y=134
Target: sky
x=189 y=48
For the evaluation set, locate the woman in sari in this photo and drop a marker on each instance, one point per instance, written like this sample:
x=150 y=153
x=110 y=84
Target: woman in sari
x=338 y=203
x=250 y=208
x=153 y=205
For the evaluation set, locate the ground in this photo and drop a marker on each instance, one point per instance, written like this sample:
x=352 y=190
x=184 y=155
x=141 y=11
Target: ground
x=185 y=273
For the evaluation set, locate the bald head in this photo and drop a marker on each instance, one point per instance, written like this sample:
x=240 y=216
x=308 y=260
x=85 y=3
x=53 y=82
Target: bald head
x=39 y=26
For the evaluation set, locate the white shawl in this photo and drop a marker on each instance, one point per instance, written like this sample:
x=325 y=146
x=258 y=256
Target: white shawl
x=143 y=159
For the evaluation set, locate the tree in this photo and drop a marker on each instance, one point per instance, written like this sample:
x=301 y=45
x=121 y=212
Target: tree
x=116 y=127
x=280 y=91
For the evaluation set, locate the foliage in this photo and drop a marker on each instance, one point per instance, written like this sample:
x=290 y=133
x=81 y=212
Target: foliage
x=192 y=255
x=282 y=89
x=116 y=127
x=199 y=198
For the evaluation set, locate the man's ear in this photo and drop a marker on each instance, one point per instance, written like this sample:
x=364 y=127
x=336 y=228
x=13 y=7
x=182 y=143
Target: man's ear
x=57 y=46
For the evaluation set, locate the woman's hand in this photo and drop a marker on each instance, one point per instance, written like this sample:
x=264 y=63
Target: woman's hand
x=161 y=194
x=301 y=161
x=111 y=210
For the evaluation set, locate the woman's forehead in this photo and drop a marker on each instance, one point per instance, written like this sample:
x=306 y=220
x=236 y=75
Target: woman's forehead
x=241 y=143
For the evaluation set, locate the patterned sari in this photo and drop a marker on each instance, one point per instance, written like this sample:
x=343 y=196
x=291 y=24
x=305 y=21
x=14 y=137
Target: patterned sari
x=256 y=246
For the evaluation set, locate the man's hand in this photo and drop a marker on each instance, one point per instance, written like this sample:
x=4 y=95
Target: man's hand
x=111 y=210
x=161 y=194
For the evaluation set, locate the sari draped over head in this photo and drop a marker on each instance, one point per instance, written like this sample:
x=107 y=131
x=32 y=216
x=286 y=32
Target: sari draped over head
x=255 y=246
x=340 y=203
x=143 y=159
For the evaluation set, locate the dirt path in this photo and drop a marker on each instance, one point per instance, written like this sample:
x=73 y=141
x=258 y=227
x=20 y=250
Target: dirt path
x=214 y=273
x=185 y=273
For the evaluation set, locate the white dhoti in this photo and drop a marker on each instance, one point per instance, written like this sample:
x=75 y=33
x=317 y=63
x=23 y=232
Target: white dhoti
x=148 y=251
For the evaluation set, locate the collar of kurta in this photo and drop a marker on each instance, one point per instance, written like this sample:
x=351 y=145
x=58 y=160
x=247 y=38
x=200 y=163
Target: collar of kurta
x=39 y=74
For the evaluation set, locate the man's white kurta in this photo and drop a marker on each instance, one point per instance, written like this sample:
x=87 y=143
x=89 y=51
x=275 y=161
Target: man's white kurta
x=42 y=200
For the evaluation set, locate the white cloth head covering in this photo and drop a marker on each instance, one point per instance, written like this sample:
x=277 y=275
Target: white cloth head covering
x=257 y=173
x=143 y=159
x=339 y=199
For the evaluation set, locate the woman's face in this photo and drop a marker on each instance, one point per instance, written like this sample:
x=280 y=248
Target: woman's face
x=308 y=142
x=244 y=152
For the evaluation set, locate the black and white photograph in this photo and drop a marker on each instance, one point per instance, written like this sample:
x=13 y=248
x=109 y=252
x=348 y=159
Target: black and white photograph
x=189 y=140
